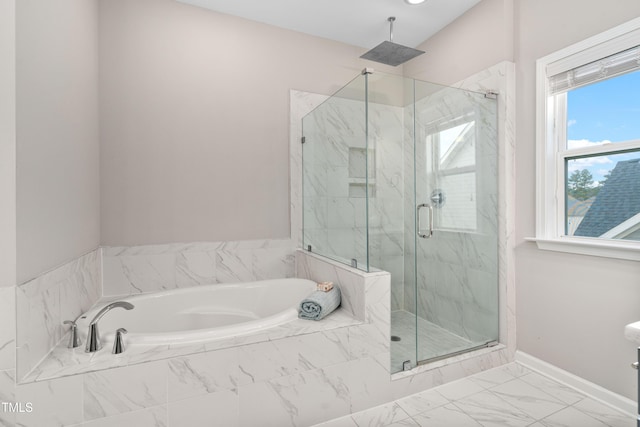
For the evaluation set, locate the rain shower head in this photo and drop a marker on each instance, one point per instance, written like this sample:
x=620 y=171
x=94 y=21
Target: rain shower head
x=391 y=53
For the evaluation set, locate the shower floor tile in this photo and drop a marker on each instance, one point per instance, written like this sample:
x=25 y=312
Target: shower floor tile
x=433 y=340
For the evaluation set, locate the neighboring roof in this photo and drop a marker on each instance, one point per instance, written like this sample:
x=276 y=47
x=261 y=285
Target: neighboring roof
x=577 y=207
x=463 y=141
x=617 y=201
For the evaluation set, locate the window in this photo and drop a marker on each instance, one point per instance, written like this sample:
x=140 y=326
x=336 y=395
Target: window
x=588 y=139
x=454 y=169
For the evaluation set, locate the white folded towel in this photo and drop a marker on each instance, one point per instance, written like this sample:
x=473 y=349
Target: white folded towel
x=319 y=304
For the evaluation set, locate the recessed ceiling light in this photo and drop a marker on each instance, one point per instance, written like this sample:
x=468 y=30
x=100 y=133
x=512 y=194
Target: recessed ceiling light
x=414 y=1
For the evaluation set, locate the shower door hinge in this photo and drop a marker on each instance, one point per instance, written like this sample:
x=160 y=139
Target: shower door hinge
x=303 y=139
x=491 y=94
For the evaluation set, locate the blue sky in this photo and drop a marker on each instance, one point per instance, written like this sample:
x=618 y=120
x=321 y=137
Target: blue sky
x=605 y=111
x=609 y=110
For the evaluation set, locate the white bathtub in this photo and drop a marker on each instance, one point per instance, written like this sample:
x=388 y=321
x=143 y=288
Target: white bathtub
x=202 y=313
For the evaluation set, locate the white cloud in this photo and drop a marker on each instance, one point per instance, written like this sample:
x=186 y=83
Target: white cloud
x=581 y=143
x=571 y=123
x=588 y=162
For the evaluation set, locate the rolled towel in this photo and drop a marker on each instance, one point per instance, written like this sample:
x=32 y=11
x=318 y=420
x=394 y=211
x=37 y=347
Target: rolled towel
x=319 y=304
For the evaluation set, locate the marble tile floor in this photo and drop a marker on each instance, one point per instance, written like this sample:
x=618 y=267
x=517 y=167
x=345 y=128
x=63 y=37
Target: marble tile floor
x=510 y=395
x=433 y=340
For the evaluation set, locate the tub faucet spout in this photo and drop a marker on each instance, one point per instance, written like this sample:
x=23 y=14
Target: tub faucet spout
x=93 y=336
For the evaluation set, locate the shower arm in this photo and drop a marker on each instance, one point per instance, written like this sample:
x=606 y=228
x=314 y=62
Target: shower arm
x=391 y=19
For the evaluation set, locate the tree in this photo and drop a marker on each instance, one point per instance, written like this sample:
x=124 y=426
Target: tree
x=580 y=185
x=604 y=179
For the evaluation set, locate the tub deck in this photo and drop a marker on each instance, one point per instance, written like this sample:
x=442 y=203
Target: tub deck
x=63 y=361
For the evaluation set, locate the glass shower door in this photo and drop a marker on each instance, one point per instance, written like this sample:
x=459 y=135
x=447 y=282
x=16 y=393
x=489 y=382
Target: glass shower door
x=456 y=249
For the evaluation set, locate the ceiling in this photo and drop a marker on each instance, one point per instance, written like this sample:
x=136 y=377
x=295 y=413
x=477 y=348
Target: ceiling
x=356 y=22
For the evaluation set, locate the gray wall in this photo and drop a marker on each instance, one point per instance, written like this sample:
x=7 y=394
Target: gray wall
x=477 y=40
x=7 y=145
x=571 y=309
x=57 y=126
x=195 y=117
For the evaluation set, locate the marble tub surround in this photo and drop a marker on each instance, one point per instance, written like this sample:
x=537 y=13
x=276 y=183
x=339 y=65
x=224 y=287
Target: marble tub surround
x=191 y=391
x=42 y=304
x=139 y=269
x=63 y=361
x=279 y=381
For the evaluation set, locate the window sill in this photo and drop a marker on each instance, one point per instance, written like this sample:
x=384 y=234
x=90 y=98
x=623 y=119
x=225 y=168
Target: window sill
x=626 y=250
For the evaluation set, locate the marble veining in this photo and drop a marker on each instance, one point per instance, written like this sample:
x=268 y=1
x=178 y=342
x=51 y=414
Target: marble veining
x=151 y=417
x=62 y=361
x=156 y=267
x=113 y=392
x=496 y=397
x=43 y=303
x=8 y=329
x=335 y=220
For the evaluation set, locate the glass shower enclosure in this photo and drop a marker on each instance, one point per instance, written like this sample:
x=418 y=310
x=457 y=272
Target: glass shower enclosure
x=401 y=175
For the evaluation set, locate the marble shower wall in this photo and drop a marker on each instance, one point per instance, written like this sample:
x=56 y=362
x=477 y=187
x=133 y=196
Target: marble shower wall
x=336 y=185
x=42 y=304
x=386 y=208
x=139 y=269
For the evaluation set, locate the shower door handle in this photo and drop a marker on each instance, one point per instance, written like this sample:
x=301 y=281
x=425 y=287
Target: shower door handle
x=429 y=232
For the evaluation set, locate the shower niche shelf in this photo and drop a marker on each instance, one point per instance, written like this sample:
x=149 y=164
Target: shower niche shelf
x=359 y=184
x=360 y=189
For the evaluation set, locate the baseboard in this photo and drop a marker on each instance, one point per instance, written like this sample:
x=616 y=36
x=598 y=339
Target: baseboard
x=595 y=391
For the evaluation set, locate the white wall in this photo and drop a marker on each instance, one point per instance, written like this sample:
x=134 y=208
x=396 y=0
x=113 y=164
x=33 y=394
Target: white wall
x=194 y=120
x=571 y=309
x=7 y=144
x=57 y=126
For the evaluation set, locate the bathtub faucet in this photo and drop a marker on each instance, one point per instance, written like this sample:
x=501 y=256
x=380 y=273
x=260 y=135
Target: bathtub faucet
x=93 y=337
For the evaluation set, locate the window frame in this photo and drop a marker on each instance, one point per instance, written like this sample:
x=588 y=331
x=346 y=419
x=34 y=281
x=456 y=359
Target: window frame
x=550 y=156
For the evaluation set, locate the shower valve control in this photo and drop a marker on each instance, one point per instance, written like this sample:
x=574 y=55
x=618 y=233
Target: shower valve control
x=438 y=198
